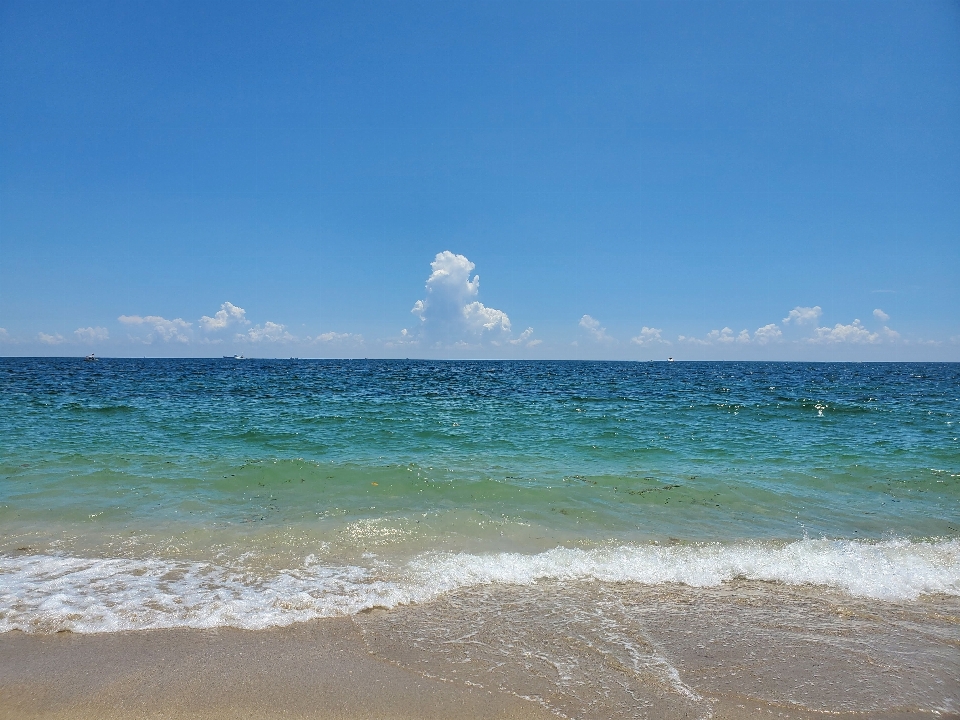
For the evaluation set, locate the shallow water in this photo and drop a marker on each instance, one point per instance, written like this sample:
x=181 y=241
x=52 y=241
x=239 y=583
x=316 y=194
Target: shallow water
x=159 y=493
x=604 y=651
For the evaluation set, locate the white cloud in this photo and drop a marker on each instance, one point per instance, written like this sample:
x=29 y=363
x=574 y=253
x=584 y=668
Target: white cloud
x=880 y=315
x=5 y=336
x=228 y=314
x=450 y=313
x=803 y=315
x=168 y=330
x=767 y=333
x=596 y=333
x=649 y=336
x=336 y=338
x=54 y=339
x=92 y=334
x=855 y=332
x=524 y=337
x=890 y=334
x=725 y=336
x=406 y=338
x=268 y=332
x=481 y=318
x=763 y=335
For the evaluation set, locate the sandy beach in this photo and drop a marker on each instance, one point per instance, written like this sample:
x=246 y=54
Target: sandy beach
x=270 y=448
x=315 y=670
x=727 y=652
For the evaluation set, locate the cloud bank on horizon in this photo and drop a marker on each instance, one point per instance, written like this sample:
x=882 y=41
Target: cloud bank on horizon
x=451 y=320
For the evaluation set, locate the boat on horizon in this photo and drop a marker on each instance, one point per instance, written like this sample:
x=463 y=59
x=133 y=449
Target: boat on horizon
x=234 y=357
x=91 y=358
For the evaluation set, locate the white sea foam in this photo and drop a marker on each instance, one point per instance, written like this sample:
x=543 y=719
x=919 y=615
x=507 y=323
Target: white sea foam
x=890 y=570
x=49 y=593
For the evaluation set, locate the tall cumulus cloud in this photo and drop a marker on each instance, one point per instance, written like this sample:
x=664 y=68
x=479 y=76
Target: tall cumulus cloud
x=451 y=312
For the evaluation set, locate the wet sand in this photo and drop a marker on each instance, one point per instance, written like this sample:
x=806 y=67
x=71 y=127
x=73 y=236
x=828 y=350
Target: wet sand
x=315 y=670
x=747 y=650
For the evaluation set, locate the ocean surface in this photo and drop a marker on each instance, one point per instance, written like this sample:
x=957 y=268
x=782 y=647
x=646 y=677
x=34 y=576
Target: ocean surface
x=253 y=493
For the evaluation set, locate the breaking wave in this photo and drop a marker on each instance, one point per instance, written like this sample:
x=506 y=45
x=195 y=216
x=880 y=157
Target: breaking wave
x=49 y=593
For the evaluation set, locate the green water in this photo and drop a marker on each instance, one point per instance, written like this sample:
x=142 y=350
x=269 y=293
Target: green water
x=256 y=465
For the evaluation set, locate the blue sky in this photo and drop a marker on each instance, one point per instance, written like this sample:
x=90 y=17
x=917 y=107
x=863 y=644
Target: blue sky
x=714 y=180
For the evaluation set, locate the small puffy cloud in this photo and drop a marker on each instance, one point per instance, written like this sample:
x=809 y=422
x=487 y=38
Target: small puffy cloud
x=649 y=336
x=5 y=337
x=168 y=330
x=590 y=323
x=767 y=334
x=450 y=313
x=880 y=315
x=855 y=333
x=335 y=338
x=54 y=339
x=890 y=334
x=763 y=335
x=594 y=330
x=228 y=314
x=803 y=315
x=726 y=336
x=524 y=338
x=91 y=334
x=406 y=338
x=268 y=332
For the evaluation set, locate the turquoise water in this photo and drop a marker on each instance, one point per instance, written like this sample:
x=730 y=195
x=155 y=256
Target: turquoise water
x=295 y=489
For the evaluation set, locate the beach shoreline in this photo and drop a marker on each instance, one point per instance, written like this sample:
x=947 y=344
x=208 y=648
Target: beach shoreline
x=740 y=651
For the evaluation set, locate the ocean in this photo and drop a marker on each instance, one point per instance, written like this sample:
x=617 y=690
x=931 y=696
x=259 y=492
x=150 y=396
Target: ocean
x=552 y=499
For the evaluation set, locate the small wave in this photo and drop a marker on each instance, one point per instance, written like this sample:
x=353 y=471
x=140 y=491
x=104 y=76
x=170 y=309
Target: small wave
x=109 y=409
x=45 y=593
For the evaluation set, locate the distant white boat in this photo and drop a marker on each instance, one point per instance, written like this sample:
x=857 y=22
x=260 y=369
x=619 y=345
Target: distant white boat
x=669 y=359
x=234 y=357
x=91 y=358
